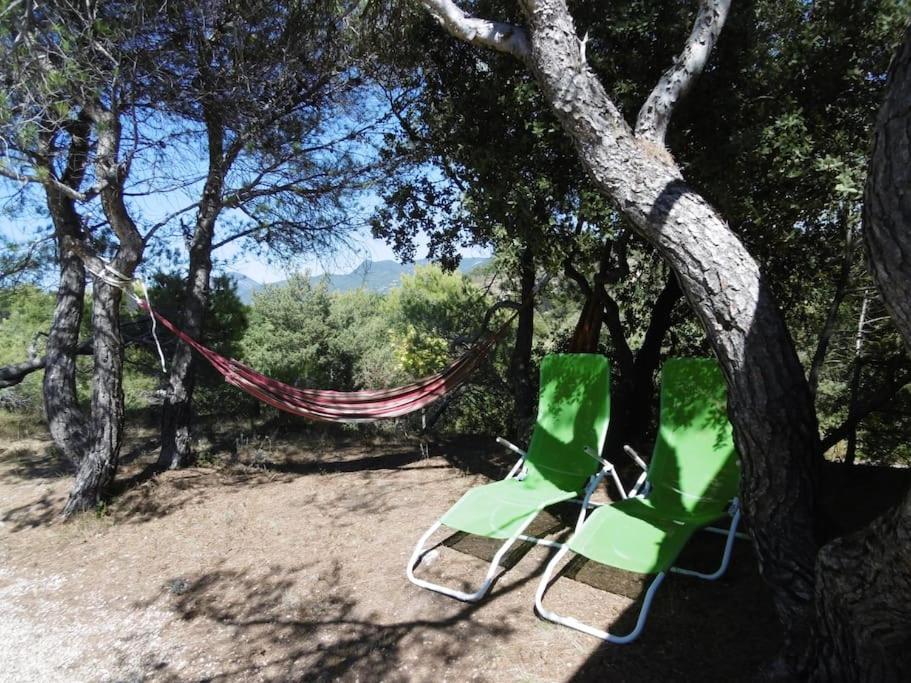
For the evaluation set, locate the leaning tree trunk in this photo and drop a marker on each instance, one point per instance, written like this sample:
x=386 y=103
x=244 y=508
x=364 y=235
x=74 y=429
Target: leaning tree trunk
x=65 y=420
x=520 y=361
x=98 y=467
x=863 y=593
x=770 y=405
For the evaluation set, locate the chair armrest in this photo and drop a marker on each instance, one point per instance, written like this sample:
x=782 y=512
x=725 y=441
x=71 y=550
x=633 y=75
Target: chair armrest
x=517 y=470
x=511 y=446
x=635 y=457
x=606 y=468
x=591 y=454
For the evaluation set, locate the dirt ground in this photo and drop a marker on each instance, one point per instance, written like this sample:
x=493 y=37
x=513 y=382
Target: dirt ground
x=283 y=559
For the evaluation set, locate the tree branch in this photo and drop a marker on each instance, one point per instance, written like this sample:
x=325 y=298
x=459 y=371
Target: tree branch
x=841 y=287
x=871 y=405
x=675 y=83
x=496 y=35
x=11 y=375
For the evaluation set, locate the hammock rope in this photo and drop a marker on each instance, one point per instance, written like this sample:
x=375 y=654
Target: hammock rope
x=341 y=406
x=317 y=404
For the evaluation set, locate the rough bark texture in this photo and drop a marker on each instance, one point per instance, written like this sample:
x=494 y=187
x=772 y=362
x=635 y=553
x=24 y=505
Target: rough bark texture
x=11 y=375
x=655 y=115
x=769 y=402
x=520 y=362
x=98 y=467
x=66 y=422
x=177 y=411
x=863 y=588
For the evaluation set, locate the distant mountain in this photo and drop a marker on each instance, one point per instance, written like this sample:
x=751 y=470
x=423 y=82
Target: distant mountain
x=245 y=286
x=375 y=276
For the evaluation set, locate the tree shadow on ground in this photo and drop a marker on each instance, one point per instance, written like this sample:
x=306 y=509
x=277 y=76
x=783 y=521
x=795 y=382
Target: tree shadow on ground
x=307 y=623
x=44 y=462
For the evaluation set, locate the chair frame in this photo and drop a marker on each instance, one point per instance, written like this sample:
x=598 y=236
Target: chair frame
x=517 y=472
x=640 y=490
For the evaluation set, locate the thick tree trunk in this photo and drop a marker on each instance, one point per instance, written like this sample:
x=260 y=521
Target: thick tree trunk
x=863 y=593
x=65 y=420
x=520 y=362
x=769 y=402
x=98 y=467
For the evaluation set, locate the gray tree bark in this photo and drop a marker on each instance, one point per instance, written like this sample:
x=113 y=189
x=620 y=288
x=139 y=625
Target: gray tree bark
x=770 y=404
x=863 y=587
x=98 y=467
x=177 y=411
x=66 y=422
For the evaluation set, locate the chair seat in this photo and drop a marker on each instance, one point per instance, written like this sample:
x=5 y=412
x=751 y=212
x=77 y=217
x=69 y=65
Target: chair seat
x=500 y=509
x=633 y=535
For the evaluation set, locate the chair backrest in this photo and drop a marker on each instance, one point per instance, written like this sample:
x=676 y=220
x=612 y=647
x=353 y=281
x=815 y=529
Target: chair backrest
x=694 y=468
x=573 y=413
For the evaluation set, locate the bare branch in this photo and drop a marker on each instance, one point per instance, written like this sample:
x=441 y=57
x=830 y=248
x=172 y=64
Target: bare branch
x=655 y=115
x=496 y=35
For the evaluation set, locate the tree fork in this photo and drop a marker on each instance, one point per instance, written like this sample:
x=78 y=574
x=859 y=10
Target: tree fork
x=770 y=405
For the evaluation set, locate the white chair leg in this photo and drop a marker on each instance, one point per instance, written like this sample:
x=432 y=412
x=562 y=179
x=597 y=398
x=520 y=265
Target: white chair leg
x=489 y=578
x=585 y=628
x=725 y=558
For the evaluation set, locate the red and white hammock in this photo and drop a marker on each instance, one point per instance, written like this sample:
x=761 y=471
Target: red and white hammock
x=341 y=406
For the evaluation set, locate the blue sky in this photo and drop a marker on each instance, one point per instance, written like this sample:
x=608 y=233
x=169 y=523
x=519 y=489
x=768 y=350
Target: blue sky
x=232 y=259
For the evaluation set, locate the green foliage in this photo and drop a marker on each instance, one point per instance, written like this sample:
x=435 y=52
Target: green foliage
x=224 y=326
x=25 y=312
x=288 y=337
x=303 y=335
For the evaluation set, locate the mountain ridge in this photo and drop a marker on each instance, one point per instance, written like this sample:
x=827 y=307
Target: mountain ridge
x=375 y=276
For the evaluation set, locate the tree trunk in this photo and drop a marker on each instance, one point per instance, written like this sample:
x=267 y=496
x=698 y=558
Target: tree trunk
x=65 y=420
x=841 y=288
x=98 y=467
x=520 y=361
x=770 y=405
x=177 y=411
x=634 y=399
x=863 y=591
x=854 y=385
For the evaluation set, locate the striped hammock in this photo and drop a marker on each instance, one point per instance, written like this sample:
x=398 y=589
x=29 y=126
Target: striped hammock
x=341 y=406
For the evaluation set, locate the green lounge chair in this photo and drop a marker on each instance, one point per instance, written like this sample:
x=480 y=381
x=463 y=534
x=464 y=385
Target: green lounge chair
x=691 y=482
x=573 y=413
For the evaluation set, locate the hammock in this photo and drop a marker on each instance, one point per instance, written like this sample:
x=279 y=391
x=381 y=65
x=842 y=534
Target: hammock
x=341 y=406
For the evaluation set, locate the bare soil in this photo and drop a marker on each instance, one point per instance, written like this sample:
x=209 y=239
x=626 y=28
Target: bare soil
x=283 y=559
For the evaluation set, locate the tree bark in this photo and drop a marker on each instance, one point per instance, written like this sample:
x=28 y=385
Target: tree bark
x=863 y=588
x=769 y=402
x=520 y=361
x=98 y=467
x=177 y=411
x=635 y=397
x=66 y=422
